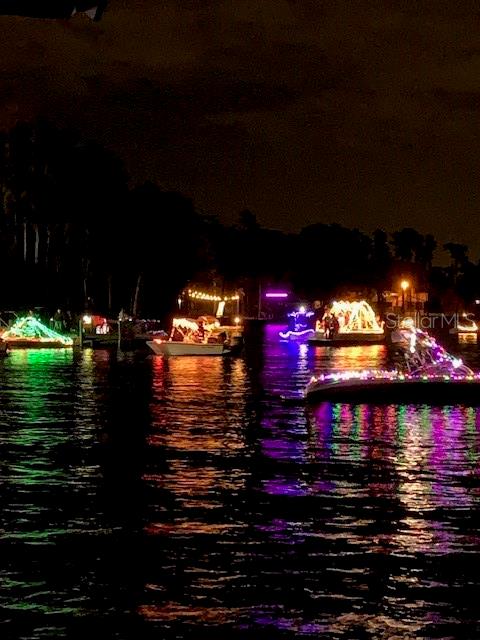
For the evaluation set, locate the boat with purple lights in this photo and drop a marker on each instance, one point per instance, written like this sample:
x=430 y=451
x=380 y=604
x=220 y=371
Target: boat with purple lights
x=300 y=325
x=425 y=373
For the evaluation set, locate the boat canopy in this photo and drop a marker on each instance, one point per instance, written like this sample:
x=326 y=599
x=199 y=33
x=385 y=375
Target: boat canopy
x=354 y=317
x=189 y=324
x=32 y=330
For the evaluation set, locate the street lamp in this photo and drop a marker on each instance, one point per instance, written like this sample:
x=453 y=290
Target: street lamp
x=404 y=286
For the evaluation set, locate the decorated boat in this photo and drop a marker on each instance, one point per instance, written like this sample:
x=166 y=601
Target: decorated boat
x=348 y=323
x=465 y=325
x=424 y=372
x=300 y=325
x=30 y=333
x=202 y=337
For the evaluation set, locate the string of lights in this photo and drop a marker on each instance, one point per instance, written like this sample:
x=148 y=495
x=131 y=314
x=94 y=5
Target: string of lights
x=31 y=329
x=209 y=297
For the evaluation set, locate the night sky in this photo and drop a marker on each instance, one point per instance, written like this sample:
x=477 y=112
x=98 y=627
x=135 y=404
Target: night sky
x=363 y=113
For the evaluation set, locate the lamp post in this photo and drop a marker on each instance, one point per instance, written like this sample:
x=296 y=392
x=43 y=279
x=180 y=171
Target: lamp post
x=404 y=286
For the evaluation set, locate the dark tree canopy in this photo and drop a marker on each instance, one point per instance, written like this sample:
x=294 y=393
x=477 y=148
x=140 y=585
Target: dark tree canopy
x=74 y=233
x=52 y=9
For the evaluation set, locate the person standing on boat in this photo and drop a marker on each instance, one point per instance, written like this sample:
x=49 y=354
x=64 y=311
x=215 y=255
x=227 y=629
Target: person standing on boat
x=334 y=326
x=318 y=313
x=201 y=331
x=58 y=321
x=326 y=325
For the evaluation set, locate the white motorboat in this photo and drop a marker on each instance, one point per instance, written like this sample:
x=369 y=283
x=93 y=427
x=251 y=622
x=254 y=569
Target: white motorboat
x=202 y=337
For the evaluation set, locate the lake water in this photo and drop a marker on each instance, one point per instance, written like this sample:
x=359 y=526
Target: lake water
x=144 y=498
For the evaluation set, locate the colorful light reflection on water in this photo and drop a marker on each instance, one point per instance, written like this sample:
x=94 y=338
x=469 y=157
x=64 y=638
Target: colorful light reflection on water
x=371 y=509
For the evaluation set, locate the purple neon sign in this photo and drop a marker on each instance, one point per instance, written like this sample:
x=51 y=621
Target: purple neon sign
x=276 y=294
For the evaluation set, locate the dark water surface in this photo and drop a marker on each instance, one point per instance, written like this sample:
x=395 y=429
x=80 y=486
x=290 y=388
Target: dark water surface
x=144 y=498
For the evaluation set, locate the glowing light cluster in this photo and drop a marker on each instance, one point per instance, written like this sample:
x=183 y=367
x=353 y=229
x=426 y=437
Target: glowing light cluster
x=302 y=312
x=29 y=329
x=390 y=375
x=355 y=317
x=209 y=297
x=466 y=328
x=193 y=325
x=424 y=354
x=299 y=325
x=294 y=334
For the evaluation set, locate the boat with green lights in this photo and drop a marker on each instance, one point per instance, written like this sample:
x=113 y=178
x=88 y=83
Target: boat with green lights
x=29 y=333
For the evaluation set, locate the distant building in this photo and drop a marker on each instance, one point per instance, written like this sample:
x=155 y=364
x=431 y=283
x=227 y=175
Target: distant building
x=408 y=300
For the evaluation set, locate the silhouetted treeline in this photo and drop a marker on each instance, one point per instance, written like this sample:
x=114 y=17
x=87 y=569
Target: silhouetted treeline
x=74 y=233
x=54 y=9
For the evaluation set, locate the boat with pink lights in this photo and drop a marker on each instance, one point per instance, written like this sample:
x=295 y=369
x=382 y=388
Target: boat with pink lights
x=426 y=373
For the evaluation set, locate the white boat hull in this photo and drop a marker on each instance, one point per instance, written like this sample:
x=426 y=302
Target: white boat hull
x=436 y=391
x=172 y=348
x=296 y=336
